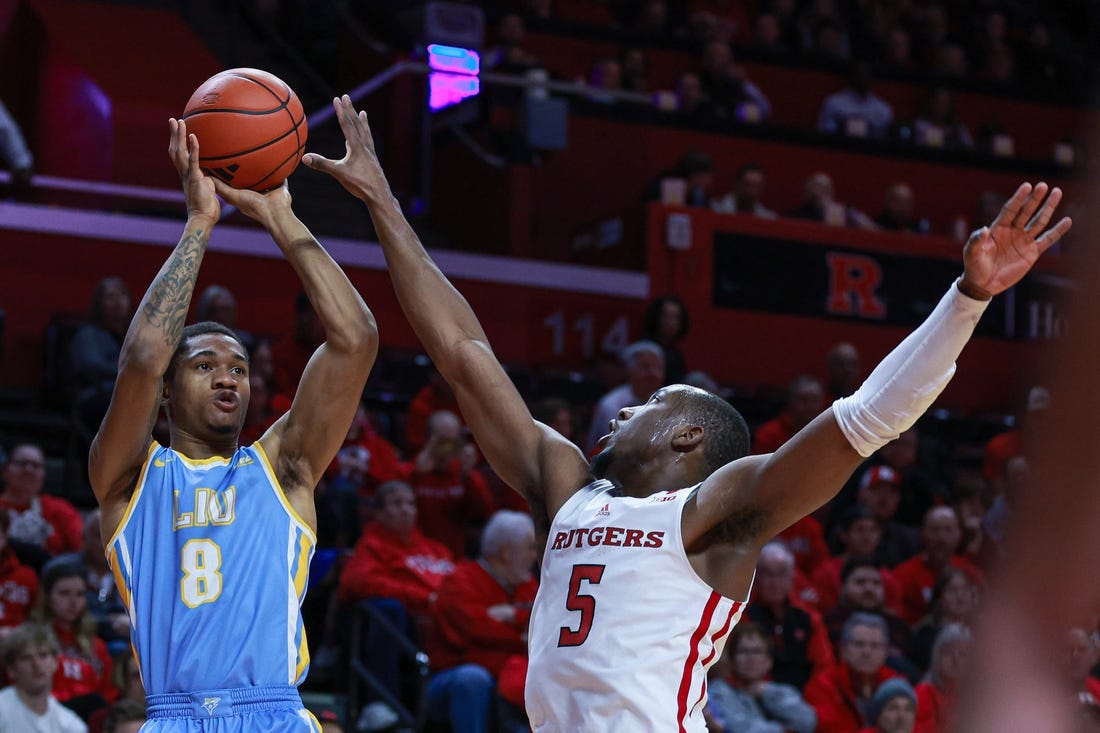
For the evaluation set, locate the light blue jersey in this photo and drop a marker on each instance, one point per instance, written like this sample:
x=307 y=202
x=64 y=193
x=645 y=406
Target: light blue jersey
x=212 y=563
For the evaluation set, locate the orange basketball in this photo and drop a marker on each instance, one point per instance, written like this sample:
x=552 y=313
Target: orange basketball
x=250 y=126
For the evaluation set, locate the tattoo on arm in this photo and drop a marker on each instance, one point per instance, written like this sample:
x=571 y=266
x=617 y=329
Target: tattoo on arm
x=166 y=308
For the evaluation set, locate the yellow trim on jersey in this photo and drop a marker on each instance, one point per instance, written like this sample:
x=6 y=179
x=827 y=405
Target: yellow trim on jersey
x=120 y=581
x=303 y=658
x=199 y=462
x=282 y=494
x=138 y=487
x=301 y=575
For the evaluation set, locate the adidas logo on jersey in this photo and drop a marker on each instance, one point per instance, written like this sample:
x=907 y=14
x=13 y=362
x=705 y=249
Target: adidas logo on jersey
x=245 y=461
x=605 y=512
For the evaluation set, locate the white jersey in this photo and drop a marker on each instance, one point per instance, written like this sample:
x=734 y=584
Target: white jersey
x=623 y=630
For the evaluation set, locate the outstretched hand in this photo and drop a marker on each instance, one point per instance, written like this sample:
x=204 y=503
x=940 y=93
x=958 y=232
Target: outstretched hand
x=998 y=256
x=198 y=189
x=358 y=171
x=261 y=207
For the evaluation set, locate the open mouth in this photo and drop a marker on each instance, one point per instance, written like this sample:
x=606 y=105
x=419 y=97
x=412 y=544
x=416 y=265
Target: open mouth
x=227 y=400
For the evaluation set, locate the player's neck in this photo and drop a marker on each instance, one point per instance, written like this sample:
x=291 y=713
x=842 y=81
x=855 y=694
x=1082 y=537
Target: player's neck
x=648 y=477
x=198 y=449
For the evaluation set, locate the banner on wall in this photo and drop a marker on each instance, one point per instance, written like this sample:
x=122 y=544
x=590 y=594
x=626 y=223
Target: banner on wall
x=788 y=277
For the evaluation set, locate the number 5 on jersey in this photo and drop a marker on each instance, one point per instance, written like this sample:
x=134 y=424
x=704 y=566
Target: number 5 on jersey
x=201 y=582
x=582 y=602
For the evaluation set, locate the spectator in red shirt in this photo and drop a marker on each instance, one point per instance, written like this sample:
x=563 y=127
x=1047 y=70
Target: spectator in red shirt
x=842 y=694
x=366 y=460
x=481 y=623
x=861 y=591
x=941 y=534
x=36 y=518
x=800 y=644
x=936 y=694
x=393 y=559
x=83 y=678
x=398 y=572
x=18 y=583
x=860 y=533
x=453 y=499
x=805 y=400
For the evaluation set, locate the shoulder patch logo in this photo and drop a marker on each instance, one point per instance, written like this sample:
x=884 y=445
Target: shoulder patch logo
x=161 y=462
x=245 y=461
x=605 y=512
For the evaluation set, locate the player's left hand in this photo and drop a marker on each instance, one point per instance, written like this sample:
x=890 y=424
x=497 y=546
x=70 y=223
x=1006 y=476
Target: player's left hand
x=998 y=256
x=359 y=170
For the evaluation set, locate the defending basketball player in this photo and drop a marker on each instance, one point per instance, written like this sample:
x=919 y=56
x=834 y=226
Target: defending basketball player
x=210 y=541
x=651 y=549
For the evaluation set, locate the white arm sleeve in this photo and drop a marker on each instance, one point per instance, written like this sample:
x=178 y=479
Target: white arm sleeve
x=909 y=379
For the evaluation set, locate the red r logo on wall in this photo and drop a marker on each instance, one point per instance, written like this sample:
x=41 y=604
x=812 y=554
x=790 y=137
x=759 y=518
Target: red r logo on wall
x=853 y=280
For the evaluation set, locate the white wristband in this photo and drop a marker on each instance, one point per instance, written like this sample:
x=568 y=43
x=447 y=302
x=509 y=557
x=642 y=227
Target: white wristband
x=909 y=379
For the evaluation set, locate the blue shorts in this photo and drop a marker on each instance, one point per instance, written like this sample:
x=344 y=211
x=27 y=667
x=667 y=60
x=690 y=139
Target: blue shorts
x=271 y=709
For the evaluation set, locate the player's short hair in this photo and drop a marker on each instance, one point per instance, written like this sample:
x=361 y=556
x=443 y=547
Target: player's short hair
x=24 y=637
x=504 y=528
x=199 y=329
x=726 y=434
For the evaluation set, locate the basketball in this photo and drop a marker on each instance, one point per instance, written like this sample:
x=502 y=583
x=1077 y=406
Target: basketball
x=251 y=128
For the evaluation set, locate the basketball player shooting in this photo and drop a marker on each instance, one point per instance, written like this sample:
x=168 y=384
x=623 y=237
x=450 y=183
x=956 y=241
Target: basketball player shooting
x=209 y=541
x=651 y=549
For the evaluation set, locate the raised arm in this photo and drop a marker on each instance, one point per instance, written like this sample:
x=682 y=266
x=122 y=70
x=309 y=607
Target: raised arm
x=119 y=447
x=302 y=443
x=762 y=495
x=534 y=460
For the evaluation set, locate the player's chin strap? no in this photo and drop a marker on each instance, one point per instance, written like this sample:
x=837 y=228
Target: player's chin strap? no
x=909 y=379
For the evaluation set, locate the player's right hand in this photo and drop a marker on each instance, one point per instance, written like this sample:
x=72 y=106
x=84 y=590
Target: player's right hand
x=198 y=189
x=264 y=207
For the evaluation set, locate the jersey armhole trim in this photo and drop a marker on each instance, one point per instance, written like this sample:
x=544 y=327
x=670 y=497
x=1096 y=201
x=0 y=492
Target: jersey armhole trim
x=139 y=487
x=682 y=550
x=281 y=495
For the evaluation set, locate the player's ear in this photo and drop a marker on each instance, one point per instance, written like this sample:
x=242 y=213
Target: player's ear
x=687 y=438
